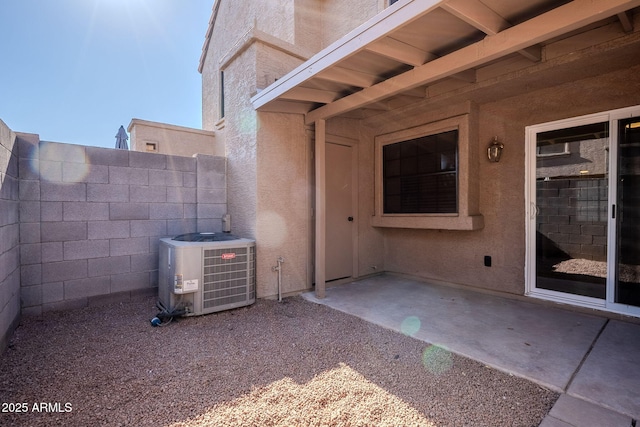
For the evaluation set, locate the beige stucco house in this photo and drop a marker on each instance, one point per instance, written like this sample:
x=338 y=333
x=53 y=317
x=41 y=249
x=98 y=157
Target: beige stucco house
x=163 y=138
x=365 y=136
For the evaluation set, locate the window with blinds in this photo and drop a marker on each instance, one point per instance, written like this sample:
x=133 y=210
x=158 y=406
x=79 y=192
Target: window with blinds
x=420 y=176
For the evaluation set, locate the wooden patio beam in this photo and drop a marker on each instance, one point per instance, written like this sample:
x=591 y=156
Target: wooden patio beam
x=400 y=51
x=561 y=20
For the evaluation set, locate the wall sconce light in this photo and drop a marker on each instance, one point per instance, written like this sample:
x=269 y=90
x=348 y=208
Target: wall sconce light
x=495 y=150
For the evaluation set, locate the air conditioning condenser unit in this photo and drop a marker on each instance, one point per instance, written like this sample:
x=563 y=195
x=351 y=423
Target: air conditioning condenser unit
x=201 y=273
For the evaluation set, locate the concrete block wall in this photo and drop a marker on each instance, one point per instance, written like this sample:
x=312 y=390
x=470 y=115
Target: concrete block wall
x=91 y=219
x=573 y=217
x=9 y=236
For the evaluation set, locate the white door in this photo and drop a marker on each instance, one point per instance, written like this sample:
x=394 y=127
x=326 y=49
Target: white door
x=339 y=212
x=584 y=205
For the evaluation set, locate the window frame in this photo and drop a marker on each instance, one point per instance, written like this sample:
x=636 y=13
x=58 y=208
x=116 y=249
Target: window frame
x=565 y=151
x=432 y=198
x=221 y=95
x=467 y=216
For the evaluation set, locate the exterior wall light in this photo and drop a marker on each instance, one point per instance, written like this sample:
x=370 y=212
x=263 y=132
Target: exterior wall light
x=495 y=150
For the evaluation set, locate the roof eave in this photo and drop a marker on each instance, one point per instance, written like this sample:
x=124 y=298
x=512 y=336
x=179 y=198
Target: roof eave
x=376 y=28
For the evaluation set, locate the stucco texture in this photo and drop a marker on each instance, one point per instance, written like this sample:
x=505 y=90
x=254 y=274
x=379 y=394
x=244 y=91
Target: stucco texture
x=458 y=256
x=284 y=203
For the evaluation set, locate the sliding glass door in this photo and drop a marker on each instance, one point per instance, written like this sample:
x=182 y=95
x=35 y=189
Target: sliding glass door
x=627 y=215
x=583 y=230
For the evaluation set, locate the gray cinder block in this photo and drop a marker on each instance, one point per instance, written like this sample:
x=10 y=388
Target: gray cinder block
x=87 y=287
x=211 y=172
x=85 y=211
x=108 y=229
x=212 y=195
x=153 y=194
x=179 y=163
x=144 y=262
x=206 y=210
x=129 y=281
x=29 y=232
x=51 y=211
x=52 y=252
x=63 y=192
x=189 y=180
x=63 y=231
x=85 y=249
x=31 y=295
x=190 y=211
x=57 y=152
x=31 y=274
x=64 y=270
x=10 y=212
x=29 y=190
x=29 y=211
x=106 y=156
x=167 y=178
x=28 y=169
x=30 y=253
x=176 y=227
x=107 y=193
x=127 y=175
x=181 y=195
x=110 y=265
x=52 y=292
x=147 y=160
x=148 y=228
x=85 y=172
x=131 y=246
x=50 y=171
x=128 y=211
x=10 y=237
x=166 y=211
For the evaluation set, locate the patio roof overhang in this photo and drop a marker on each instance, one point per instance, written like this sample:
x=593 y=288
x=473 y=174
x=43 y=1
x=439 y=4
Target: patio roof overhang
x=391 y=60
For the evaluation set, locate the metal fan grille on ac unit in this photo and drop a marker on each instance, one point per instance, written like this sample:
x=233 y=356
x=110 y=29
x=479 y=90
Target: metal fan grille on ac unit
x=228 y=279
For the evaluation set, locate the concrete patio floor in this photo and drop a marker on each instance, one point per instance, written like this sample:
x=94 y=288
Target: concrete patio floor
x=592 y=360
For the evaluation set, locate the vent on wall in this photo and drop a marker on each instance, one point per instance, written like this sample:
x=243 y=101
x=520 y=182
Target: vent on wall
x=151 y=147
x=203 y=273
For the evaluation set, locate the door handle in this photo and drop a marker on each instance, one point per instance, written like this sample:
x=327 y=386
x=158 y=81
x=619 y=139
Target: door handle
x=350 y=219
x=535 y=210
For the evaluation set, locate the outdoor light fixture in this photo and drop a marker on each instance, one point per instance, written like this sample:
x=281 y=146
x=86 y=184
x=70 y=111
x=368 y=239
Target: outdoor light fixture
x=495 y=150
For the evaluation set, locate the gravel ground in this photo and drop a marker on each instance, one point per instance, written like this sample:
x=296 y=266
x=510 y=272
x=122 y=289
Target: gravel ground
x=293 y=363
x=626 y=273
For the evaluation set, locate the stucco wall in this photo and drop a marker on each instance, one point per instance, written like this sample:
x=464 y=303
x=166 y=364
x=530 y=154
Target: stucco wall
x=299 y=28
x=265 y=149
x=283 y=223
x=457 y=256
x=231 y=36
x=269 y=155
x=9 y=235
x=91 y=219
x=340 y=17
x=173 y=140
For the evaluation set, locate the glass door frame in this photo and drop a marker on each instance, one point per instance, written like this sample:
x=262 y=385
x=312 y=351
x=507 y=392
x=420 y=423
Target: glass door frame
x=607 y=304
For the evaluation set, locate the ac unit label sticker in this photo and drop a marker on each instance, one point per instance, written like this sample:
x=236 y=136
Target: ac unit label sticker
x=230 y=255
x=190 y=285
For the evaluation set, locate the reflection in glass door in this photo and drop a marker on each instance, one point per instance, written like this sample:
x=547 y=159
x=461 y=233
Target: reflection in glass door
x=571 y=204
x=583 y=232
x=627 y=277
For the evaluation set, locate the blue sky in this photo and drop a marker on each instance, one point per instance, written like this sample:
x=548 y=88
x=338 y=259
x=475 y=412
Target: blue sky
x=75 y=70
